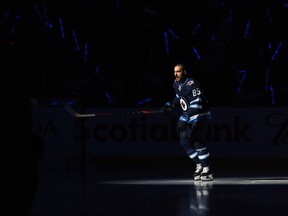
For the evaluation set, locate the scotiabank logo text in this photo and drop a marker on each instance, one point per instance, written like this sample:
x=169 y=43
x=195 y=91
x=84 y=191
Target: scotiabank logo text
x=142 y=130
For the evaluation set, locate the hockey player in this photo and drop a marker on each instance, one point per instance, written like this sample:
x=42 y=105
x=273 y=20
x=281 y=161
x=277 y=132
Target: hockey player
x=193 y=121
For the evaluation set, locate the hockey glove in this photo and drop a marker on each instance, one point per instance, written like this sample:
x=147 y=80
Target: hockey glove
x=167 y=108
x=182 y=124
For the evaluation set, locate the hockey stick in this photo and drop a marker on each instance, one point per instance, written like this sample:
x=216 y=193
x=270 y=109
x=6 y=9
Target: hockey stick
x=79 y=115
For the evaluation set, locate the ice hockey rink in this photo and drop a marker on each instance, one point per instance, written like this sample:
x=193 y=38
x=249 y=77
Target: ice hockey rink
x=81 y=178
x=156 y=189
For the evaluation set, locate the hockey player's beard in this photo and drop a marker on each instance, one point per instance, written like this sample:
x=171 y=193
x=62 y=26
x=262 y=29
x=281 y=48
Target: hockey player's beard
x=180 y=79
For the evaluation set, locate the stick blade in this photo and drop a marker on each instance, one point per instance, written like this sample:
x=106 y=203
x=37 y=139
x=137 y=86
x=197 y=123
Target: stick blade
x=75 y=114
x=71 y=111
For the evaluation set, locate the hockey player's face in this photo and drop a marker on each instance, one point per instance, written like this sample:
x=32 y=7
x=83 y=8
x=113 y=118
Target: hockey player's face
x=178 y=73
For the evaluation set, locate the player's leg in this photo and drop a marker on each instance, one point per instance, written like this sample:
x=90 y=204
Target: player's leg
x=199 y=134
x=187 y=143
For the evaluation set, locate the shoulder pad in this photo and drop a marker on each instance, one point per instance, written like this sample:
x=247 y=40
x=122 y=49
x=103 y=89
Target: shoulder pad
x=191 y=82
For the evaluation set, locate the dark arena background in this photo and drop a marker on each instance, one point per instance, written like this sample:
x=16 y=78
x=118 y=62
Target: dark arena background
x=116 y=57
x=102 y=51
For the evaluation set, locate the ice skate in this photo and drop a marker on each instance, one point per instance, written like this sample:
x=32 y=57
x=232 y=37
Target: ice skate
x=206 y=174
x=197 y=173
